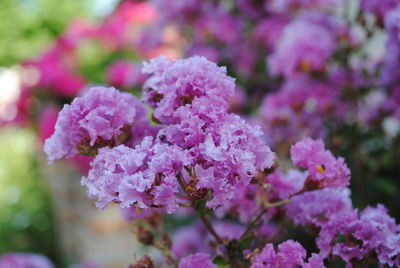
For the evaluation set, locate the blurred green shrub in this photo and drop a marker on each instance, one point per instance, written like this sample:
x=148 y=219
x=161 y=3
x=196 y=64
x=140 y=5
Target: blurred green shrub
x=26 y=221
x=28 y=25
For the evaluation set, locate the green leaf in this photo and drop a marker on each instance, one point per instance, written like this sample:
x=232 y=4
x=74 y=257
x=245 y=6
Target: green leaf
x=221 y=262
x=245 y=242
x=202 y=209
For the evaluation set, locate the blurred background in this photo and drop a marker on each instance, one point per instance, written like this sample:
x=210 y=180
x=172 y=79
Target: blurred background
x=39 y=205
x=52 y=51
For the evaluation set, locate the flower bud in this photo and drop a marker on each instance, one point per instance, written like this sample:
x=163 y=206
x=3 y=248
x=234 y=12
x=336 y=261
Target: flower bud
x=144 y=262
x=145 y=236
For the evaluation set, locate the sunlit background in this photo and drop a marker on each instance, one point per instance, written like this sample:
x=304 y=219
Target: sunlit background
x=27 y=219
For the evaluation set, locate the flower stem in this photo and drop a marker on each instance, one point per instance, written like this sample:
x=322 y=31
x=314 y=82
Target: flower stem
x=257 y=218
x=167 y=253
x=211 y=229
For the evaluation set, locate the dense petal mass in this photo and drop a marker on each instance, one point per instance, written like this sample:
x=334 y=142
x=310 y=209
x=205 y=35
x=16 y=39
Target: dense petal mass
x=115 y=167
x=233 y=151
x=191 y=83
x=99 y=118
x=140 y=176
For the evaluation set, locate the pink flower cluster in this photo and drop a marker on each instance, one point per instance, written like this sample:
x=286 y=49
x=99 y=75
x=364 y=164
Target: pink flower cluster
x=196 y=151
x=102 y=117
x=199 y=144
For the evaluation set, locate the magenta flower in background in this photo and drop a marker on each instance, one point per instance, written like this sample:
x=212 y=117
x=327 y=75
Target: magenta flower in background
x=55 y=75
x=124 y=74
x=47 y=121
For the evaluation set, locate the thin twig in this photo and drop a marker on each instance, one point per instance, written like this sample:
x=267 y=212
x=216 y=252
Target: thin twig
x=256 y=219
x=253 y=223
x=167 y=253
x=211 y=229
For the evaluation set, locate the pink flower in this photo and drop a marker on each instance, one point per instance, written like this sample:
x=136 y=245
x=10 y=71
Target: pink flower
x=124 y=74
x=322 y=166
x=99 y=118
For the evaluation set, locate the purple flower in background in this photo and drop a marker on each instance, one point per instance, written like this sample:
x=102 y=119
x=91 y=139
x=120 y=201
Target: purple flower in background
x=251 y=8
x=284 y=185
x=102 y=117
x=316 y=207
x=297 y=52
x=379 y=8
x=199 y=260
x=177 y=8
x=389 y=73
x=243 y=202
x=322 y=166
x=190 y=240
x=220 y=24
x=229 y=230
x=297 y=109
x=24 y=260
x=287 y=6
x=270 y=29
x=391 y=104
